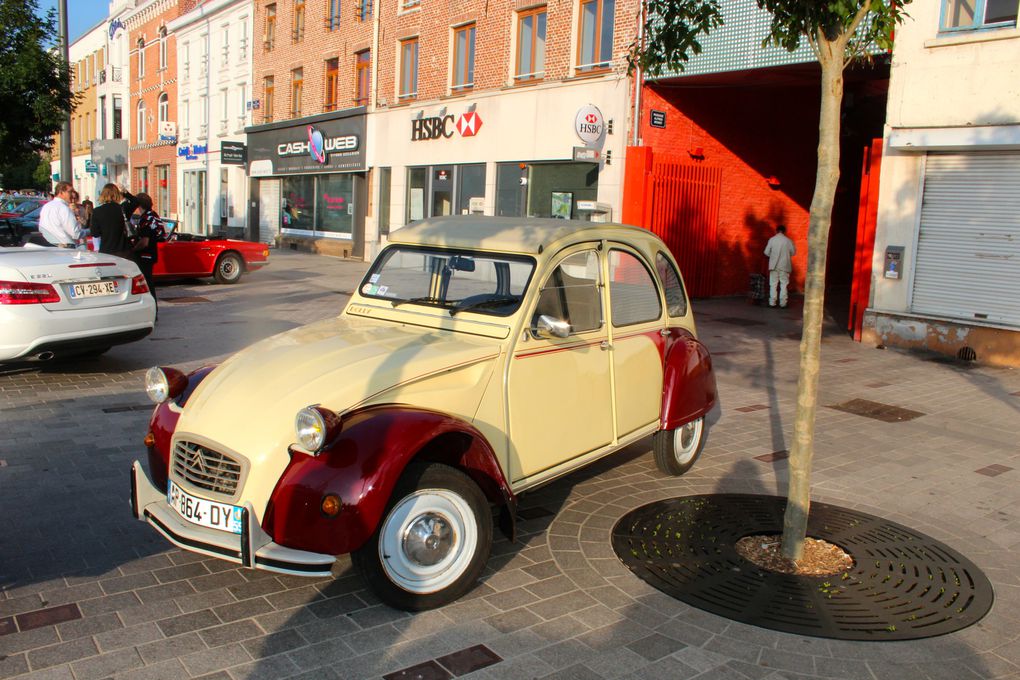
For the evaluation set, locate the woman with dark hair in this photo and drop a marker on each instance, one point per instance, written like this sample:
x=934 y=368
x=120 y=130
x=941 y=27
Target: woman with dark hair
x=108 y=224
x=150 y=233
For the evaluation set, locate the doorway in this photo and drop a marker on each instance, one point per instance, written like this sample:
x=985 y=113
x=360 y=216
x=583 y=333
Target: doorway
x=194 y=202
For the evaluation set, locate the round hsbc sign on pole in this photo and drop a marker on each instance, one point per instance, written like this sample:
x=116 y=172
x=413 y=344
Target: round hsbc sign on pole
x=590 y=125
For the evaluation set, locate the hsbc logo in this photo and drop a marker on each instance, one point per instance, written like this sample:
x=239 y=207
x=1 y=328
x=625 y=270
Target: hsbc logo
x=436 y=127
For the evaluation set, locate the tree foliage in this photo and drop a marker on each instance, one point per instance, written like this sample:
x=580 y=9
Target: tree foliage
x=838 y=32
x=35 y=86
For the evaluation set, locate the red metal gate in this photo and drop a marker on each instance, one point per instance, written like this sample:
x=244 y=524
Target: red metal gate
x=867 y=218
x=683 y=211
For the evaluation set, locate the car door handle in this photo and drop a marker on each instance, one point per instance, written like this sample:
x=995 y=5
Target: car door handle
x=206 y=248
x=604 y=345
x=665 y=332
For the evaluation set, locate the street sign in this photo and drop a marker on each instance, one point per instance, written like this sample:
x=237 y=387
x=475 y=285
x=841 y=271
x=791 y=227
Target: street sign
x=657 y=119
x=583 y=153
x=90 y=166
x=233 y=153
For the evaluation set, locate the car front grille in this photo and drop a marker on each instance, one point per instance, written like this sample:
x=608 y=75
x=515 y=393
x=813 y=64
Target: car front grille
x=203 y=468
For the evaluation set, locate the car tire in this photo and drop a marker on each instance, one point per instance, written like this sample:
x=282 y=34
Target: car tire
x=678 y=449
x=433 y=541
x=228 y=268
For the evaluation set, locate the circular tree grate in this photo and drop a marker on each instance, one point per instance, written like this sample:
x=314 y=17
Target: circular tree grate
x=903 y=585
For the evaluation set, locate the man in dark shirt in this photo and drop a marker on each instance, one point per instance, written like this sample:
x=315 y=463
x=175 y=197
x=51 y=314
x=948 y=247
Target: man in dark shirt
x=146 y=248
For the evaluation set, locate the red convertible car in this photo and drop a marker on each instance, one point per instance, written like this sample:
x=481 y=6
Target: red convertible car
x=193 y=256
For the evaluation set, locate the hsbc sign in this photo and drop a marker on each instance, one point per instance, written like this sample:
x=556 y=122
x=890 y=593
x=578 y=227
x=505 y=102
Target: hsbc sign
x=590 y=125
x=443 y=127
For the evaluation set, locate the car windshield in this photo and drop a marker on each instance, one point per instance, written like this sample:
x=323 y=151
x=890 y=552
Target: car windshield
x=26 y=207
x=454 y=280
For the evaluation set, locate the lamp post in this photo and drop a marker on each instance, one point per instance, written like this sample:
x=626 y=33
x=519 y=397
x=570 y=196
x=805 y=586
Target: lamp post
x=65 y=131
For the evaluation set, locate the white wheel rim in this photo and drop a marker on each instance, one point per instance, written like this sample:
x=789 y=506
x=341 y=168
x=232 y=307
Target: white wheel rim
x=428 y=540
x=686 y=439
x=228 y=268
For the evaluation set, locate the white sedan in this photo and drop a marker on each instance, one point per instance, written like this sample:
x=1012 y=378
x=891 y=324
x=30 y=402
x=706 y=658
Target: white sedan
x=58 y=301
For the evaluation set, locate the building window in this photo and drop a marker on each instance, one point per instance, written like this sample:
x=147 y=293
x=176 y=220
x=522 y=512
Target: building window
x=142 y=182
x=267 y=106
x=269 y=40
x=242 y=104
x=184 y=107
x=333 y=18
x=298 y=33
x=332 y=80
x=464 y=57
x=225 y=44
x=408 y=4
x=966 y=15
x=224 y=108
x=362 y=66
x=530 y=45
x=141 y=58
x=385 y=183
x=596 y=35
x=409 y=68
x=186 y=60
x=203 y=117
x=162 y=48
x=297 y=84
x=242 y=40
x=163 y=108
x=140 y=122
x=363 y=10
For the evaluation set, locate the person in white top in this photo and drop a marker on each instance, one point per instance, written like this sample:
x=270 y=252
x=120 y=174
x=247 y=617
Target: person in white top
x=780 y=251
x=57 y=222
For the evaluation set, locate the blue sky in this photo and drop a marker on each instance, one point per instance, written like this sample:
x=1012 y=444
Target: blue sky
x=82 y=14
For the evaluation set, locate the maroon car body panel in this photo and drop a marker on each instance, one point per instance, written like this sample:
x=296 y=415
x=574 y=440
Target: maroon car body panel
x=362 y=466
x=688 y=382
x=162 y=425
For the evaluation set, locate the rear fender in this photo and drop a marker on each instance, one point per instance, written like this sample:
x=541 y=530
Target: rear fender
x=362 y=466
x=688 y=382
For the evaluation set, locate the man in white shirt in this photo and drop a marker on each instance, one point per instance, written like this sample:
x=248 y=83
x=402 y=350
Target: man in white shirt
x=57 y=223
x=780 y=251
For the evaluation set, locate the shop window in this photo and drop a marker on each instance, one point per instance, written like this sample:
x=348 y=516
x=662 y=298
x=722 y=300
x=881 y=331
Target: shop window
x=595 y=49
x=967 y=15
x=409 y=69
x=676 y=301
x=298 y=30
x=530 y=45
x=163 y=190
x=464 y=58
x=362 y=73
x=332 y=80
x=417 y=185
x=385 y=185
x=334 y=208
x=298 y=202
x=470 y=184
x=142 y=180
x=511 y=194
x=269 y=37
x=633 y=295
x=554 y=189
x=268 y=88
x=297 y=84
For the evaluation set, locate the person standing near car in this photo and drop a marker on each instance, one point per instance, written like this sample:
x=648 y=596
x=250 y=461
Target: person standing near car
x=146 y=248
x=109 y=224
x=57 y=223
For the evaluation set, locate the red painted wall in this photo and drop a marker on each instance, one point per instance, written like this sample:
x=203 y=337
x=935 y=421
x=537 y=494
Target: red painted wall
x=752 y=134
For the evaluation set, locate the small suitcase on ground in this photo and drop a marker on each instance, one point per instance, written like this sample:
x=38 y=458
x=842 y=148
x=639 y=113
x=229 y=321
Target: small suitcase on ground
x=759 y=289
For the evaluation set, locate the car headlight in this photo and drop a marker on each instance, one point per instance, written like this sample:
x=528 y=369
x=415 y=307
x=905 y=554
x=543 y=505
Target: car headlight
x=164 y=383
x=315 y=426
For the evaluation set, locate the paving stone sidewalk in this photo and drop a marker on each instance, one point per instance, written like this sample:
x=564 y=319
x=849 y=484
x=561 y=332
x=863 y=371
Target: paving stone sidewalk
x=88 y=593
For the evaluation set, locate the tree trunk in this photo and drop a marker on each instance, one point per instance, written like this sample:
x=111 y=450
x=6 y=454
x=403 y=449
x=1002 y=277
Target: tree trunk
x=798 y=504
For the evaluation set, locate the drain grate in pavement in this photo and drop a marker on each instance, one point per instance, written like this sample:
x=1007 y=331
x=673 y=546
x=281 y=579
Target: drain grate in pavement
x=738 y=321
x=536 y=512
x=127 y=407
x=876 y=410
x=993 y=470
x=774 y=456
x=184 y=299
x=904 y=585
x=449 y=666
x=429 y=670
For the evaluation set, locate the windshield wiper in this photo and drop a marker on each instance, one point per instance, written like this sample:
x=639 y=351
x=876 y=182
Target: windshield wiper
x=425 y=298
x=494 y=301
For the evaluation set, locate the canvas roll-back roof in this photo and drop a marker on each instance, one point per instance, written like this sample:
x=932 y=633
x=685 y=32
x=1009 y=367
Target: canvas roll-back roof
x=508 y=234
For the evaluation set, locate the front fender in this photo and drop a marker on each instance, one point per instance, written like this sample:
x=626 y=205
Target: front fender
x=688 y=382
x=162 y=425
x=362 y=466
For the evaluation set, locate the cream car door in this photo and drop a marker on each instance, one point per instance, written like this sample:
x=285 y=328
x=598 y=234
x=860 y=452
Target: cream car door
x=636 y=319
x=559 y=392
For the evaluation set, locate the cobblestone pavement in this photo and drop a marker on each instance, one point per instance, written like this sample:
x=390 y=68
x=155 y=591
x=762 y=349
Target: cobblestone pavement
x=86 y=592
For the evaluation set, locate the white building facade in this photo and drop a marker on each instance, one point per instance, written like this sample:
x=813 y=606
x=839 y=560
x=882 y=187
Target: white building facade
x=947 y=244
x=214 y=65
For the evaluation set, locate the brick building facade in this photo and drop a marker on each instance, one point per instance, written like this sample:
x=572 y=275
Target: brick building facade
x=152 y=106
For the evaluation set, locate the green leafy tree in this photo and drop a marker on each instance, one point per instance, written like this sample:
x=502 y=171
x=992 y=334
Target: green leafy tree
x=35 y=85
x=838 y=32
x=28 y=173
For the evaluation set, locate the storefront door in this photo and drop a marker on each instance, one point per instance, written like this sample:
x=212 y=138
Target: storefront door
x=442 y=191
x=194 y=202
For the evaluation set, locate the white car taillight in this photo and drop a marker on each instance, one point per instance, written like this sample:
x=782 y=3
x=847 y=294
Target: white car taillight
x=24 y=293
x=138 y=285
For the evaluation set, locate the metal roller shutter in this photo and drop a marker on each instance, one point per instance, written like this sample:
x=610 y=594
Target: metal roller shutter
x=968 y=249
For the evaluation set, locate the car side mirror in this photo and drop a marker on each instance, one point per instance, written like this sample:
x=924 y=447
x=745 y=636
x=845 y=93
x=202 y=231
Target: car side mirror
x=549 y=327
